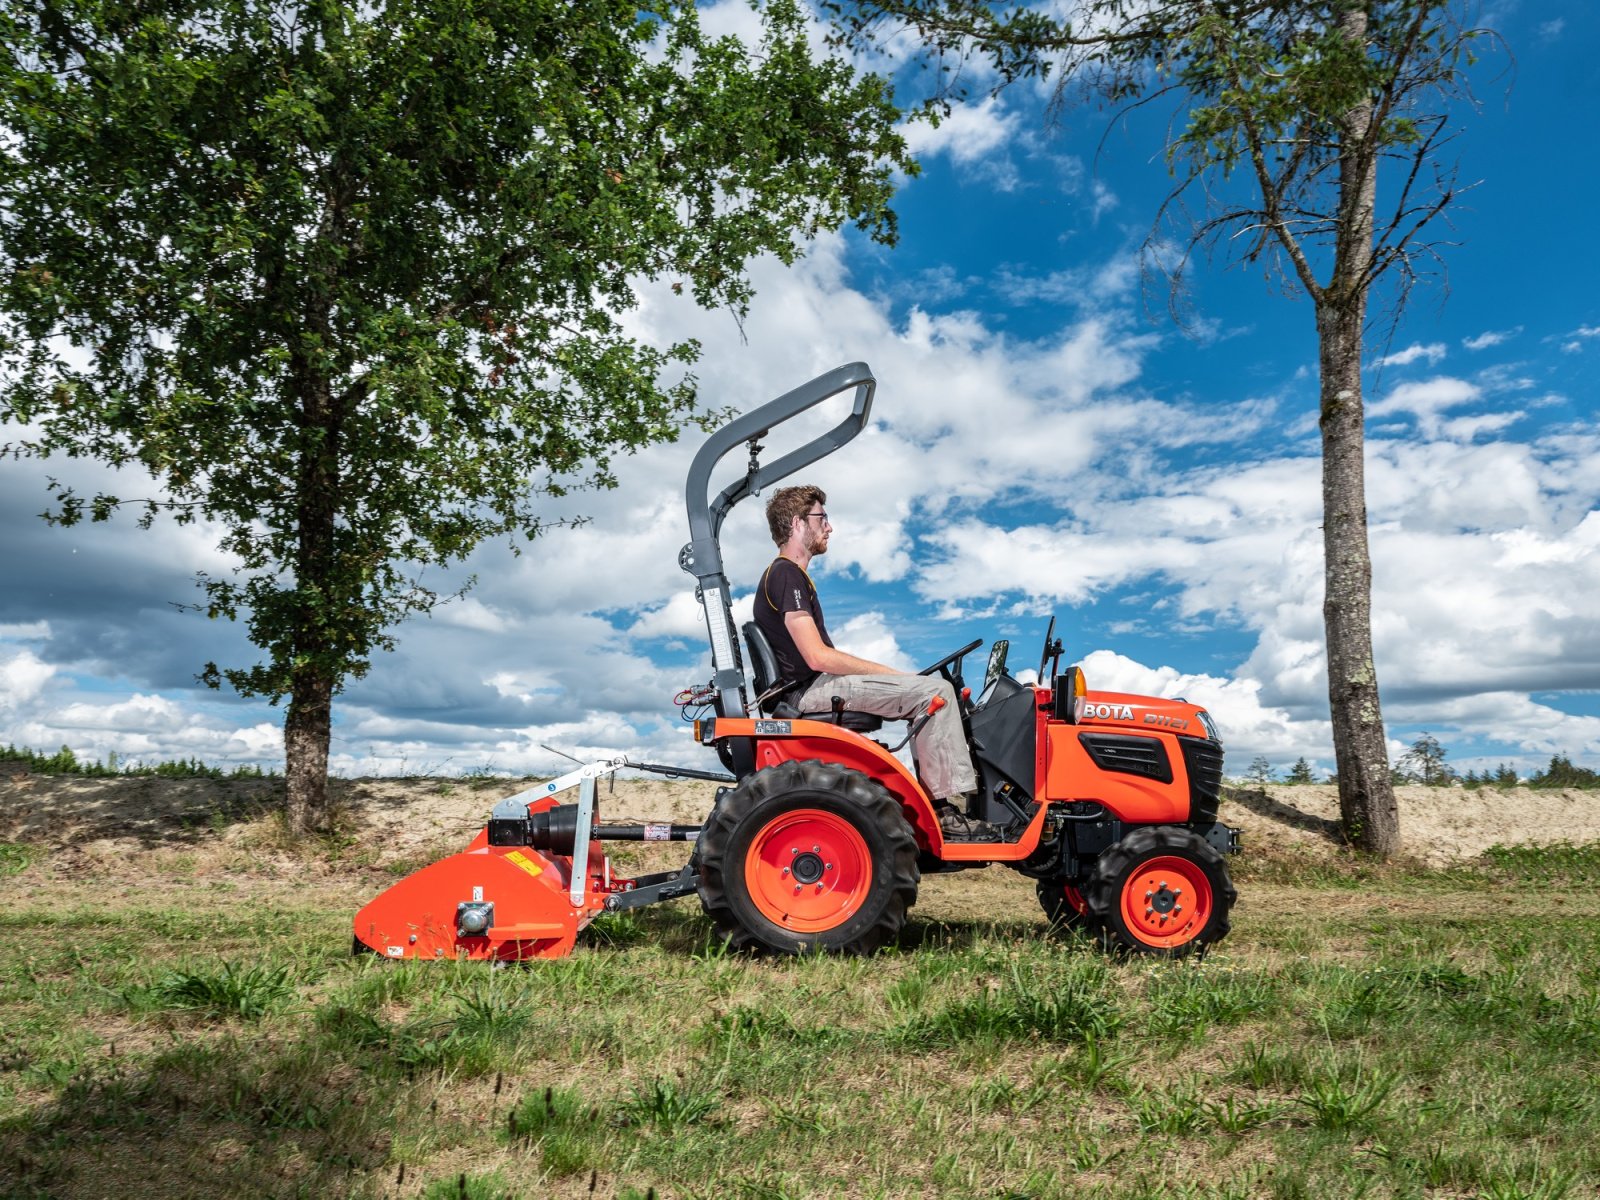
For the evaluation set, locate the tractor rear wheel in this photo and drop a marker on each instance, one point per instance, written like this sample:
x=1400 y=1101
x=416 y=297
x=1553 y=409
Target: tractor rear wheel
x=806 y=856
x=1063 y=904
x=1161 y=890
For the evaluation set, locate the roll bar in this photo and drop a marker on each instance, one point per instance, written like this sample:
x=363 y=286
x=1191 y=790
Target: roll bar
x=702 y=557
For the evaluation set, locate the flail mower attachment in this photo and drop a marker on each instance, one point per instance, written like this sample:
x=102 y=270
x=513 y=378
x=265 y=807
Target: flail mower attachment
x=525 y=886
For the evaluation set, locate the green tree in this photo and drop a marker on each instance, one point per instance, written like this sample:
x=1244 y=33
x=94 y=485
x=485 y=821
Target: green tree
x=1300 y=772
x=1286 y=110
x=348 y=279
x=1260 y=771
x=1562 y=773
x=1424 y=763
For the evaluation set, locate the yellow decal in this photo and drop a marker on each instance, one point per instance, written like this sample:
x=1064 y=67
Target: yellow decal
x=526 y=863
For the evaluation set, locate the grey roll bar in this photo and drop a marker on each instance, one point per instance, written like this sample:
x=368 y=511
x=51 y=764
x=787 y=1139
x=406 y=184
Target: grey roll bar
x=702 y=557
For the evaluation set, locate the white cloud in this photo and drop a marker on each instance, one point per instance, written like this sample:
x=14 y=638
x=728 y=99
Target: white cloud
x=1433 y=352
x=970 y=133
x=1425 y=400
x=22 y=678
x=1490 y=338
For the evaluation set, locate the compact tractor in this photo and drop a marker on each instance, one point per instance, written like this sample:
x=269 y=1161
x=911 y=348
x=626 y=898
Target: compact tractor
x=819 y=834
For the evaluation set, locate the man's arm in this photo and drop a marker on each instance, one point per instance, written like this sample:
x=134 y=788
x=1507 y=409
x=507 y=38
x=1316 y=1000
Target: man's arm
x=822 y=657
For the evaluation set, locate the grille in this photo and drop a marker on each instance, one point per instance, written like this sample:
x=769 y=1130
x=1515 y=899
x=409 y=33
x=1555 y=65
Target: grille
x=1128 y=755
x=1203 y=761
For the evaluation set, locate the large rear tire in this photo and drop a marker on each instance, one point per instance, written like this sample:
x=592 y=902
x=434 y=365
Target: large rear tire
x=808 y=856
x=1161 y=891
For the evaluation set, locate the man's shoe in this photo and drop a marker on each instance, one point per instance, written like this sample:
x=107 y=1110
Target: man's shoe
x=958 y=827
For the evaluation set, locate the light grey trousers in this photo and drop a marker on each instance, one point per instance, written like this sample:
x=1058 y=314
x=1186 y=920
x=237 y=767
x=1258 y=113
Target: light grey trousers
x=940 y=749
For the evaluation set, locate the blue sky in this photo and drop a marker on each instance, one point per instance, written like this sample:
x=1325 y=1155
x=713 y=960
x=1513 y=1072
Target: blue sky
x=1045 y=440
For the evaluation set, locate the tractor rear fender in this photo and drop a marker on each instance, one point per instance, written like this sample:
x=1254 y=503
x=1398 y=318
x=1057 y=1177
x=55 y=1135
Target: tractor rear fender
x=778 y=741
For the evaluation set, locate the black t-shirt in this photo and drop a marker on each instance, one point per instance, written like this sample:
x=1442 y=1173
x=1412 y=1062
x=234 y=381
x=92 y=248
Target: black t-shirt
x=786 y=588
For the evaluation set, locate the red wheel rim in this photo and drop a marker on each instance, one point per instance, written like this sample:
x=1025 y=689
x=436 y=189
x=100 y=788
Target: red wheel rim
x=1074 y=899
x=808 y=870
x=1166 y=901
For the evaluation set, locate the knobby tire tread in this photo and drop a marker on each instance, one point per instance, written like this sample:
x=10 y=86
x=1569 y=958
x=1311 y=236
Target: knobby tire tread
x=882 y=818
x=1102 y=891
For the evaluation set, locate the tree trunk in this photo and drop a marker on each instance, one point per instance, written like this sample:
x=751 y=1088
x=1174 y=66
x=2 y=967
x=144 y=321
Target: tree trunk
x=1367 y=809
x=308 y=725
x=307 y=728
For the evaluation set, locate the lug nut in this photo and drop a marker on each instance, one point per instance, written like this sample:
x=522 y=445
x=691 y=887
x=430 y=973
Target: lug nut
x=797 y=889
x=827 y=866
x=819 y=889
x=786 y=870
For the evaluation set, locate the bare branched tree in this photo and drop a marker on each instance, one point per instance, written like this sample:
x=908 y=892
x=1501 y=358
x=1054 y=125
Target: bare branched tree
x=1306 y=141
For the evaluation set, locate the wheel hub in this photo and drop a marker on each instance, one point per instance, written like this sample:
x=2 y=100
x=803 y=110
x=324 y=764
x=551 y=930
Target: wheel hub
x=807 y=867
x=1162 y=901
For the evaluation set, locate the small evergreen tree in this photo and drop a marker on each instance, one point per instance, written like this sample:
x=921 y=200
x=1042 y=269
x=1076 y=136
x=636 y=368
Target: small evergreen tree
x=1424 y=763
x=1300 y=772
x=1260 y=771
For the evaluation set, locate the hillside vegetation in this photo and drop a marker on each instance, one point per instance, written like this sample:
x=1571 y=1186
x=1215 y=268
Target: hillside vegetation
x=180 y=1017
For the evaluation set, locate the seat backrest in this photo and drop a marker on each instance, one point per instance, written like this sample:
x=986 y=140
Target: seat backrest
x=763 y=662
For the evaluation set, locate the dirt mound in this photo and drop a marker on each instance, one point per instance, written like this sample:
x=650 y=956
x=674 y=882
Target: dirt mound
x=398 y=818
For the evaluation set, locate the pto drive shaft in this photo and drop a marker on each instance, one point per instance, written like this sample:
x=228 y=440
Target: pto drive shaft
x=556 y=829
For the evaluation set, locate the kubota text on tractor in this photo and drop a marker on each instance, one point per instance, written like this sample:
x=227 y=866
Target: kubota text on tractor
x=819 y=835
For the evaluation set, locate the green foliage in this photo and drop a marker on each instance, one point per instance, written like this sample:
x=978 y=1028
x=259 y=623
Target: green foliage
x=233 y=991
x=1072 y=1006
x=1260 y=771
x=1300 y=772
x=1562 y=774
x=567 y=1132
x=350 y=280
x=16 y=858
x=65 y=762
x=1424 y=763
x=669 y=1105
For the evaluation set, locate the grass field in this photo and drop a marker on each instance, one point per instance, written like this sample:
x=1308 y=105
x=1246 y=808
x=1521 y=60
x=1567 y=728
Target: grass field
x=195 y=1026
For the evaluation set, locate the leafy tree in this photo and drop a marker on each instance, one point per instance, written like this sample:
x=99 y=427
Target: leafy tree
x=1300 y=772
x=1260 y=771
x=1561 y=773
x=348 y=279
x=1287 y=111
x=1424 y=763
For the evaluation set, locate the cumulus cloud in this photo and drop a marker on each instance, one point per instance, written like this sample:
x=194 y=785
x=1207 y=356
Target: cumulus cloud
x=1433 y=352
x=969 y=134
x=1001 y=476
x=1490 y=338
x=1425 y=400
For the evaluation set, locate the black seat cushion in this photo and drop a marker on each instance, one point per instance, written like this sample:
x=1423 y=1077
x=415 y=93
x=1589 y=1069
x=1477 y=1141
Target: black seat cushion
x=764 y=669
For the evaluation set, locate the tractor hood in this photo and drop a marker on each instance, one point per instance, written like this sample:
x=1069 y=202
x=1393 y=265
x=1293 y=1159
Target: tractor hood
x=1122 y=710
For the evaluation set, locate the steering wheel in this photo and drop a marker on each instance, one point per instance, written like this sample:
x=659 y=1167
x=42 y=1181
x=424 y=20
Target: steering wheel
x=950 y=658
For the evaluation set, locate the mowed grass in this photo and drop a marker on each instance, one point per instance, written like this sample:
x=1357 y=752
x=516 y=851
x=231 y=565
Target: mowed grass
x=1365 y=1031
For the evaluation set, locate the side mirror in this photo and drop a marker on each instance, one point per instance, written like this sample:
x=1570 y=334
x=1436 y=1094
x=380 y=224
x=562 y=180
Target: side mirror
x=997 y=664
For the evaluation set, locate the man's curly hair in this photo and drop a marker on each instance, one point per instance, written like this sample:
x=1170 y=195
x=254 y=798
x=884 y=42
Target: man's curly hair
x=787 y=504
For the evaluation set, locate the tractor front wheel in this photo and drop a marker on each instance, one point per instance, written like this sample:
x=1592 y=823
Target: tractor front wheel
x=807 y=856
x=1161 y=890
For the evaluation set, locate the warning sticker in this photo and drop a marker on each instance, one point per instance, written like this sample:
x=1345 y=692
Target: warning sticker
x=526 y=863
x=658 y=833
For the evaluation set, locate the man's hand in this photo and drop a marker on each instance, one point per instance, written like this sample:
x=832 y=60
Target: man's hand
x=822 y=657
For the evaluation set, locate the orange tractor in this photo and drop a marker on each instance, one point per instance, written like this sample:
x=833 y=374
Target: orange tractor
x=820 y=834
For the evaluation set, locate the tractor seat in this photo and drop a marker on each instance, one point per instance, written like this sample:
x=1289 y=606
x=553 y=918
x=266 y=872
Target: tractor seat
x=764 y=668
